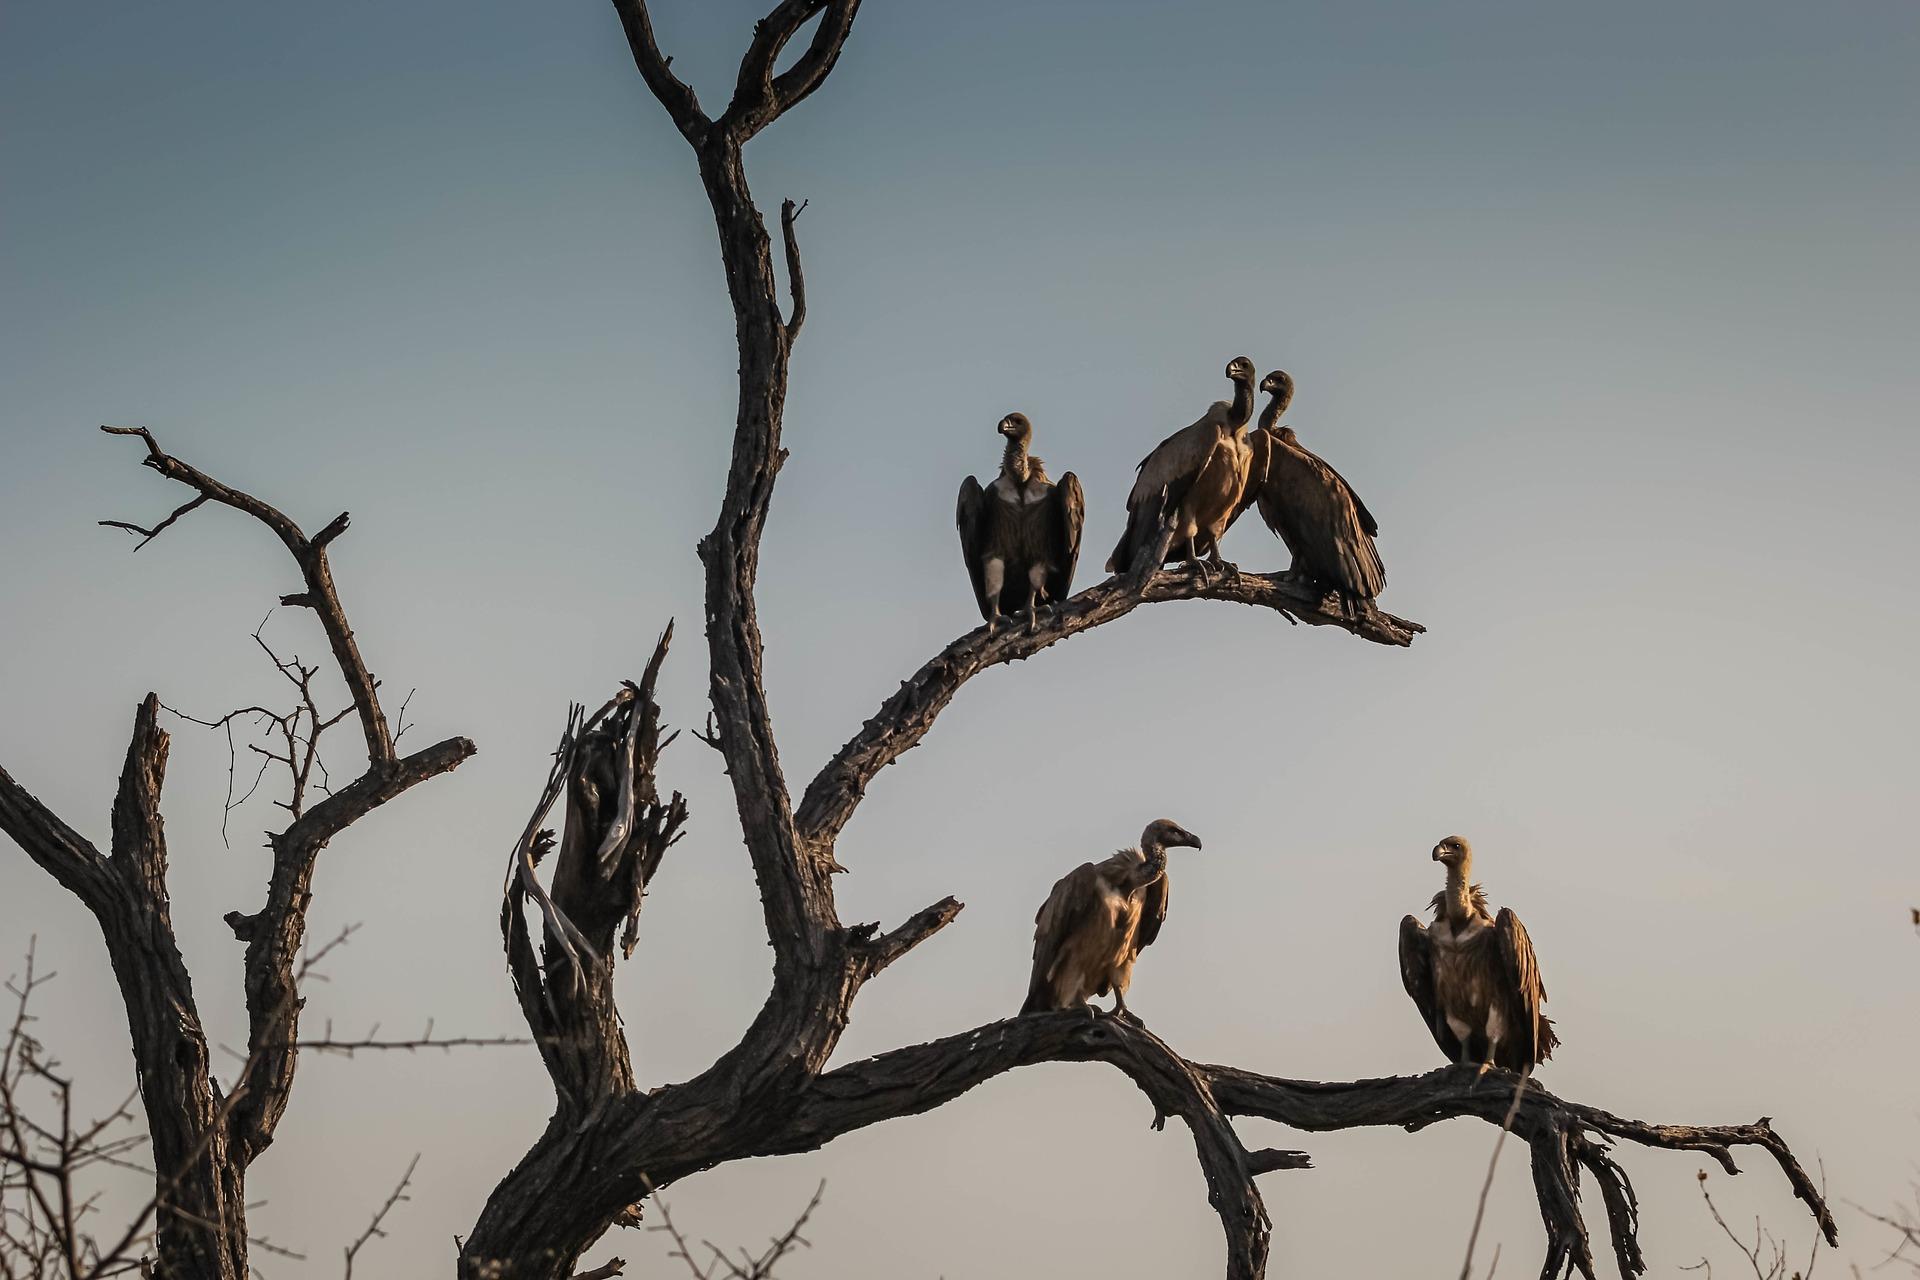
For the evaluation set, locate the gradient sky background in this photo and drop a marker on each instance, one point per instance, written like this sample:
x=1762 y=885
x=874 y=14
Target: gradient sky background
x=1610 y=312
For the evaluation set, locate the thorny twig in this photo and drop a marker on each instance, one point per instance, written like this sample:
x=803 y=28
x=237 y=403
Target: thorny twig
x=750 y=1266
x=374 y=1228
x=298 y=732
x=1767 y=1255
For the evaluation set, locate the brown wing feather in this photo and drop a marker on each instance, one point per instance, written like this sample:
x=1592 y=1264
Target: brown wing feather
x=974 y=520
x=1068 y=508
x=1416 y=974
x=1524 y=992
x=1170 y=469
x=1069 y=907
x=1313 y=510
x=1260 y=443
x=1153 y=912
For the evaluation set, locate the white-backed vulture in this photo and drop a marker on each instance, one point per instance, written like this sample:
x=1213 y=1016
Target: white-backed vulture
x=1097 y=921
x=1199 y=473
x=1021 y=534
x=1474 y=976
x=1311 y=506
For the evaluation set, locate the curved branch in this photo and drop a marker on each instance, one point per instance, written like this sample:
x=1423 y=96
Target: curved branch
x=796 y=279
x=311 y=555
x=759 y=96
x=905 y=718
x=1564 y=1137
x=682 y=104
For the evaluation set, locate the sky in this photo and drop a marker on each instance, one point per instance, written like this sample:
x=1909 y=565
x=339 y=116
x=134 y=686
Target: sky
x=1608 y=311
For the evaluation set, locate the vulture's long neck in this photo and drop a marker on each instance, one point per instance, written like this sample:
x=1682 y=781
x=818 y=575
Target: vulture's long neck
x=1270 y=416
x=1155 y=864
x=1242 y=411
x=1456 y=901
x=1015 y=464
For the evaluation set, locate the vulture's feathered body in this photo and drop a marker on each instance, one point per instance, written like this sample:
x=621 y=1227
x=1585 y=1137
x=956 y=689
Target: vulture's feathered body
x=1199 y=474
x=1021 y=534
x=1312 y=508
x=1098 y=919
x=1474 y=976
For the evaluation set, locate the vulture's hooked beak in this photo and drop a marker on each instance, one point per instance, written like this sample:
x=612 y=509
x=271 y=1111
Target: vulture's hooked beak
x=1189 y=839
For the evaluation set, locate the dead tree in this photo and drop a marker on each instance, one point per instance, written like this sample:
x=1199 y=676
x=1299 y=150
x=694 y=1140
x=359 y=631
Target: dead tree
x=205 y=1136
x=610 y=1143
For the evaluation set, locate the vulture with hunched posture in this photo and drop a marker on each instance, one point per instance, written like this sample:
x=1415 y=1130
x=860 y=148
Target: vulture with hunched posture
x=1021 y=534
x=1473 y=975
x=1311 y=506
x=1098 y=920
x=1199 y=474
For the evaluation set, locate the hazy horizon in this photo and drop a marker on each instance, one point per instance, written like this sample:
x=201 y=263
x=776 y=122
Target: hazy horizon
x=1609 y=315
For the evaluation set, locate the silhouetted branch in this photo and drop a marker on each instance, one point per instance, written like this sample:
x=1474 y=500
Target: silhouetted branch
x=750 y=1266
x=906 y=717
x=796 y=279
x=375 y=1230
x=203 y=1139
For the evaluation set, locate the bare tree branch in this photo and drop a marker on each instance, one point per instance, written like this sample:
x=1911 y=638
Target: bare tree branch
x=906 y=717
x=683 y=107
x=310 y=556
x=204 y=1139
x=610 y=1146
x=375 y=1229
x=796 y=279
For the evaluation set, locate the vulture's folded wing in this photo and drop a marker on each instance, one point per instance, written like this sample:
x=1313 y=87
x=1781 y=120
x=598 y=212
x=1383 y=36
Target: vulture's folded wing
x=973 y=519
x=1416 y=974
x=1261 y=443
x=1176 y=460
x=1524 y=988
x=1067 y=508
x=1307 y=503
x=1072 y=904
x=1153 y=912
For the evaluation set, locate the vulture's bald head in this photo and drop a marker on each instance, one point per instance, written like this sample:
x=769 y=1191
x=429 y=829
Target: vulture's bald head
x=1016 y=427
x=1240 y=369
x=1280 y=384
x=1454 y=851
x=1165 y=833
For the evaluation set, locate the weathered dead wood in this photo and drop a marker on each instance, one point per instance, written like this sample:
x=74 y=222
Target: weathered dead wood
x=610 y=1145
x=1564 y=1137
x=208 y=1136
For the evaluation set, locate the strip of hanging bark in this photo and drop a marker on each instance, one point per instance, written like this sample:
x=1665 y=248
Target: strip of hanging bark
x=617 y=831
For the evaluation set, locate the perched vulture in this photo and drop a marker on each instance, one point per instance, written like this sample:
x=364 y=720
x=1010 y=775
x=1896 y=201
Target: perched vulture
x=1098 y=920
x=1199 y=473
x=1311 y=506
x=1473 y=975
x=1020 y=534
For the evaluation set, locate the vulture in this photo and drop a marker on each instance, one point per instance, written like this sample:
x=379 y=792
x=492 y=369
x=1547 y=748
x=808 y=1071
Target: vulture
x=1198 y=475
x=1311 y=507
x=1021 y=534
x=1098 y=919
x=1473 y=975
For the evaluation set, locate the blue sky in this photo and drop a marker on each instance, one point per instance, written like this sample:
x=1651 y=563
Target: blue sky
x=1608 y=311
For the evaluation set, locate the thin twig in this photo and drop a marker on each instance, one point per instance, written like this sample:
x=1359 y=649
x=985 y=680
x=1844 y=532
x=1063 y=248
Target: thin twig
x=1486 y=1186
